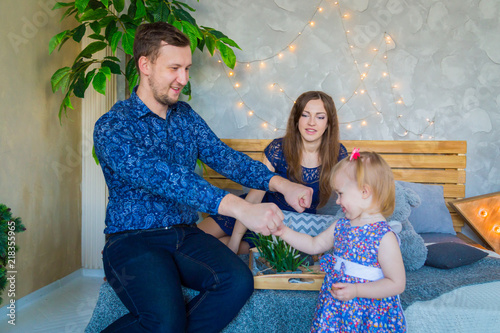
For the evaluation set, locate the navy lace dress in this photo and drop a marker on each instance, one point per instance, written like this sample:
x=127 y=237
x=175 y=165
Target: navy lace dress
x=274 y=153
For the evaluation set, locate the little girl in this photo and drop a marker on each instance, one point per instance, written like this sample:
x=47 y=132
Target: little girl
x=365 y=274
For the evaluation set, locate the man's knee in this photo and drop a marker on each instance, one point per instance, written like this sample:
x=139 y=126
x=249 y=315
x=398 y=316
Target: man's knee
x=242 y=281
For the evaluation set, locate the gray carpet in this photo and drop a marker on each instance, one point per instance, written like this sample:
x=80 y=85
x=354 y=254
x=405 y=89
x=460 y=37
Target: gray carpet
x=292 y=311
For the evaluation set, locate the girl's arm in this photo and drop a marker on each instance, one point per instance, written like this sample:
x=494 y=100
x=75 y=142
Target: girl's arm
x=306 y=243
x=253 y=196
x=393 y=283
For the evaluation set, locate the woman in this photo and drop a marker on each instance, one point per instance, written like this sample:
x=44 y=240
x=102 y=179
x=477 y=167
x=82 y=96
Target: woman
x=306 y=155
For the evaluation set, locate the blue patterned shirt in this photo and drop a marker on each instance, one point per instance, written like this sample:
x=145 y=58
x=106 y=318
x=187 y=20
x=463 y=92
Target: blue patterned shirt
x=148 y=163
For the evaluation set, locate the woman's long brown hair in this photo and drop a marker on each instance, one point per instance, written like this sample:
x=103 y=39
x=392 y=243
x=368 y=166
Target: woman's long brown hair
x=328 y=150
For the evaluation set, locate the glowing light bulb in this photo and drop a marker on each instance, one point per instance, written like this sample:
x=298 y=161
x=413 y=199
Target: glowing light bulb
x=240 y=104
x=348 y=126
x=231 y=73
x=346 y=16
x=496 y=229
x=237 y=85
x=219 y=61
x=291 y=47
x=342 y=100
x=248 y=65
x=320 y=9
x=264 y=124
x=483 y=213
x=311 y=23
x=280 y=55
x=250 y=113
x=363 y=123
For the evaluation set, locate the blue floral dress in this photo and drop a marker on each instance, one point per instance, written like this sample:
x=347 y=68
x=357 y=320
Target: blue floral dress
x=354 y=260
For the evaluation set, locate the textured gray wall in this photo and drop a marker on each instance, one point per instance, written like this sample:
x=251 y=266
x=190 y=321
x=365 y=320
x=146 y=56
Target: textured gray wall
x=443 y=59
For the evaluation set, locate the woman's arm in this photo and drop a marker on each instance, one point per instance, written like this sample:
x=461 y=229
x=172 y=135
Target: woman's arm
x=254 y=196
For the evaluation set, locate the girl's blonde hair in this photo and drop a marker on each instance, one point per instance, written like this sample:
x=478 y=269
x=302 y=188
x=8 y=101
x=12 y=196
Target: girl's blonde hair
x=370 y=169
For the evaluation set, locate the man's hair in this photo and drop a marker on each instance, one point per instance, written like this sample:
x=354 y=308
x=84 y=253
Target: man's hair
x=150 y=36
x=328 y=150
x=372 y=170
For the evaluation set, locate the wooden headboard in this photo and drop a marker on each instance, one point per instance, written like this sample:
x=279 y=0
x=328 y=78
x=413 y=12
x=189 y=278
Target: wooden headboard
x=429 y=162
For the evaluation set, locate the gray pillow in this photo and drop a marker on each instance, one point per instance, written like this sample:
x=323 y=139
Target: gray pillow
x=450 y=255
x=432 y=215
x=311 y=224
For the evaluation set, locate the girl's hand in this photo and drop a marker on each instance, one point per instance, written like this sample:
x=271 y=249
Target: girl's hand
x=344 y=291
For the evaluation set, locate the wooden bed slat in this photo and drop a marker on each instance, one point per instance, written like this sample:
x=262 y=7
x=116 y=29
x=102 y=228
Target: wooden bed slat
x=428 y=162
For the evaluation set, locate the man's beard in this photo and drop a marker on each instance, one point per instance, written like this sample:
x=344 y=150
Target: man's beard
x=160 y=98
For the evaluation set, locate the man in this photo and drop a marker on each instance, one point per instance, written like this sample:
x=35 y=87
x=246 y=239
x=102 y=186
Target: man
x=147 y=147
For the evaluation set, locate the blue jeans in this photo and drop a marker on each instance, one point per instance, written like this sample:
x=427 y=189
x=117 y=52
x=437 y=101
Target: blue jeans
x=146 y=269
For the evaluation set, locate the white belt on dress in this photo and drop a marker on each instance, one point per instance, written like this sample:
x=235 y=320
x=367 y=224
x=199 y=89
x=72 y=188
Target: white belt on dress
x=358 y=270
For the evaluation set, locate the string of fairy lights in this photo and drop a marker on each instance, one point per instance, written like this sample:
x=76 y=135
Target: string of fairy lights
x=363 y=70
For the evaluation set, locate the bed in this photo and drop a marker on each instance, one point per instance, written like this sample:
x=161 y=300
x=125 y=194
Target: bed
x=465 y=298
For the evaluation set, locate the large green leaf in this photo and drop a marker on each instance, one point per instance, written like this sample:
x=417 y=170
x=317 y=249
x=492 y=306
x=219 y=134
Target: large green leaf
x=105 y=3
x=230 y=42
x=90 y=75
x=119 y=5
x=183 y=15
x=141 y=10
x=91 y=15
x=96 y=27
x=113 y=66
x=106 y=71
x=62 y=4
x=193 y=34
x=79 y=32
x=56 y=40
x=99 y=83
x=115 y=40
x=80 y=86
x=97 y=37
x=210 y=42
x=60 y=79
x=81 y=5
x=162 y=12
x=91 y=49
x=128 y=41
x=227 y=54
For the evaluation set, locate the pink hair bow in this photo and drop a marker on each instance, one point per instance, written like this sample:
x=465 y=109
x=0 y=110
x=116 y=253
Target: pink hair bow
x=355 y=154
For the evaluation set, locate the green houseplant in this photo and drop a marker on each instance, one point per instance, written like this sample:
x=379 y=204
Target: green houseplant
x=279 y=255
x=110 y=23
x=9 y=226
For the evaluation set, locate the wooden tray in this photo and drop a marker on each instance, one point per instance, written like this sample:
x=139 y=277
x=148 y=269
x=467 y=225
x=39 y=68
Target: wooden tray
x=283 y=281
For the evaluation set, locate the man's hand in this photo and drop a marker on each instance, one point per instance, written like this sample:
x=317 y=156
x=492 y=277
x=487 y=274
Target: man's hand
x=296 y=195
x=263 y=218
